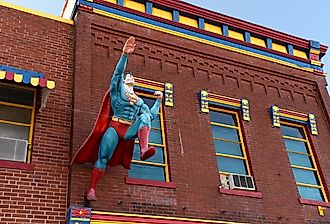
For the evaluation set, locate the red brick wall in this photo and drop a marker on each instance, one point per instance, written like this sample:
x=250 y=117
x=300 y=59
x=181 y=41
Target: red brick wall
x=192 y=66
x=43 y=45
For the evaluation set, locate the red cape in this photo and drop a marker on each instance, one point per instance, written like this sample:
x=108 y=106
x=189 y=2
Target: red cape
x=88 y=152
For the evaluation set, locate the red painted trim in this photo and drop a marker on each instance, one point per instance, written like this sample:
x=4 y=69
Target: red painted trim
x=85 y=8
x=16 y=165
x=251 y=194
x=204 y=31
x=237 y=23
x=317 y=72
x=152 y=183
x=140 y=219
x=293 y=113
x=224 y=98
x=311 y=202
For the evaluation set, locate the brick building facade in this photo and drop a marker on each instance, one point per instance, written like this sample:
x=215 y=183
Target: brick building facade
x=213 y=74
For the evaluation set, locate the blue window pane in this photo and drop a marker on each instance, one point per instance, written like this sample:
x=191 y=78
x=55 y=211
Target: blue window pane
x=147 y=172
x=225 y=133
x=222 y=118
x=148 y=101
x=292 y=131
x=310 y=193
x=295 y=146
x=156 y=122
x=305 y=176
x=228 y=148
x=300 y=160
x=231 y=165
x=155 y=136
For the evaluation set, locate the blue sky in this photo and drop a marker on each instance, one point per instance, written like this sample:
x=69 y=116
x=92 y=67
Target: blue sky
x=303 y=18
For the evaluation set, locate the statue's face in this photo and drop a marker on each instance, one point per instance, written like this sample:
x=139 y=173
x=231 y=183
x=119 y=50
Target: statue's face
x=129 y=80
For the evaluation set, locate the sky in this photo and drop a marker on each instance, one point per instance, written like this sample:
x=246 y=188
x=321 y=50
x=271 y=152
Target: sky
x=303 y=18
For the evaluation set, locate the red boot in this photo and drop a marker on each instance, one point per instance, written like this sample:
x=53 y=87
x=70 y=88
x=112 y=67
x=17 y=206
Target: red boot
x=145 y=152
x=96 y=175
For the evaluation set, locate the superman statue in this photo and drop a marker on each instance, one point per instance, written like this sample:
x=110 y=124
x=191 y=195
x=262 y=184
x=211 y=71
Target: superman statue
x=123 y=117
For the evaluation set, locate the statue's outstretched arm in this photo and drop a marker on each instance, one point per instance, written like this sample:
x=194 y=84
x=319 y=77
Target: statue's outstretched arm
x=117 y=78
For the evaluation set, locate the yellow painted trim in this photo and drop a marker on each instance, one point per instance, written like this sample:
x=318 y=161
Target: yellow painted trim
x=128 y=20
x=111 y=1
x=37 y=13
x=300 y=53
x=318 y=63
x=303 y=168
x=293 y=117
x=188 y=21
x=16 y=105
x=15 y=123
x=32 y=125
x=313 y=51
x=212 y=28
x=308 y=185
x=149 y=87
x=279 y=47
x=223 y=125
x=230 y=156
x=161 y=13
x=164 y=217
x=2 y=74
x=149 y=163
x=224 y=140
x=224 y=102
x=296 y=139
x=235 y=35
x=300 y=153
x=257 y=41
x=18 y=77
x=135 y=5
x=50 y=84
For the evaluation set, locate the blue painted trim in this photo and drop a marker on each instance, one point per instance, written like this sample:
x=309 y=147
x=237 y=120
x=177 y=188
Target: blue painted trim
x=224 y=105
x=225 y=30
x=201 y=23
x=175 y=15
x=290 y=49
x=314 y=44
x=149 y=8
x=74 y=11
x=199 y=35
x=26 y=74
x=269 y=43
x=120 y=2
x=247 y=37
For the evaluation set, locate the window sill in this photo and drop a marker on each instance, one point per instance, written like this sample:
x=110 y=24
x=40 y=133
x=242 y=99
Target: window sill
x=16 y=165
x=152 y=183
x=312 y=202
x=251 y=194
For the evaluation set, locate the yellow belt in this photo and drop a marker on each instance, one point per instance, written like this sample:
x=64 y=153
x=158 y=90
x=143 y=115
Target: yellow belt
x=122 y=121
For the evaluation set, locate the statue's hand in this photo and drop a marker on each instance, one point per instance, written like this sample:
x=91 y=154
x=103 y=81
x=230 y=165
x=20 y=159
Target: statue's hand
x=158 y=94
x=129 y=45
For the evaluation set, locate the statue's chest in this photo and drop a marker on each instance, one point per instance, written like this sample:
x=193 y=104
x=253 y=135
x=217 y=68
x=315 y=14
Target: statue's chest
x=132 y=98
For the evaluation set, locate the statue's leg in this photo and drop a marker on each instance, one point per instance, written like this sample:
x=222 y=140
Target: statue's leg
x=140 y=129
x=107 y=146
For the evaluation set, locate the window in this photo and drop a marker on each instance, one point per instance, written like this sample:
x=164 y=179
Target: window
x=155 y=168
x=303 y=163
x=228 y=142
x=17 y=106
